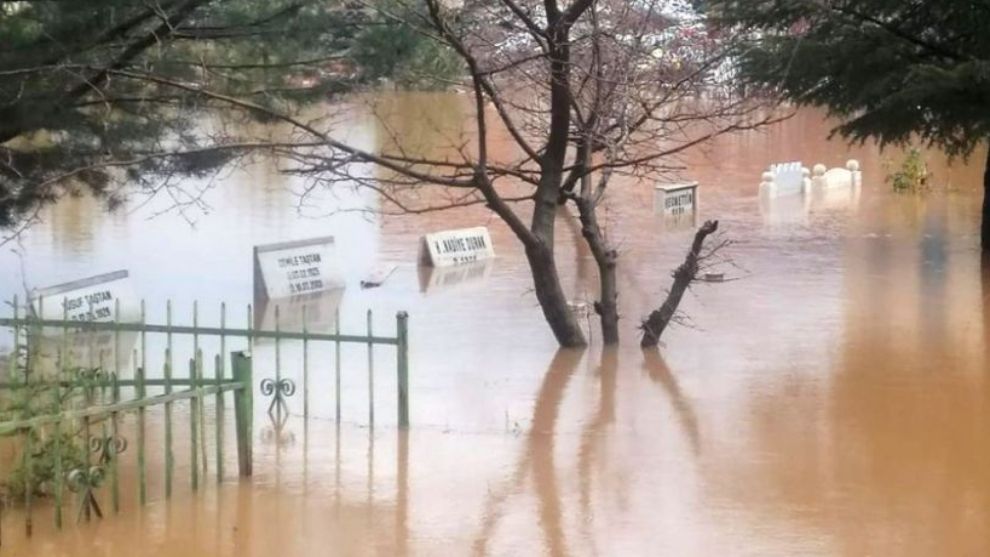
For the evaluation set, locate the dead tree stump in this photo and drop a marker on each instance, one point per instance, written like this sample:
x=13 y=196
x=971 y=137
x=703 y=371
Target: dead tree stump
x=657 y=322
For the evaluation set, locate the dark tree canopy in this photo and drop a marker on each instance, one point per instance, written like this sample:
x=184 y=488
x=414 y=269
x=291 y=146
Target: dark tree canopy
x=99 y=94
x=892 y=70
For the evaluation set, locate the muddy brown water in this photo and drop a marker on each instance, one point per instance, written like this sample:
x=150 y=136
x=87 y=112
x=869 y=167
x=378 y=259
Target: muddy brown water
x=832 y=401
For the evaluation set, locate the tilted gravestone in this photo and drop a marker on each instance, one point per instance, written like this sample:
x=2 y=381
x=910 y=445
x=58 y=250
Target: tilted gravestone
x=90 y=299
x=102 y=298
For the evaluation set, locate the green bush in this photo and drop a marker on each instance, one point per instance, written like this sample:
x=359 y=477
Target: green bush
x=911 y=175
x=45 y=450
x=27 y=398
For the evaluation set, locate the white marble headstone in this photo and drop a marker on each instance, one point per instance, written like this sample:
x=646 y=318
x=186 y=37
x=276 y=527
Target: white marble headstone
x=90 y=299
x=294 y=268
x=454 y=247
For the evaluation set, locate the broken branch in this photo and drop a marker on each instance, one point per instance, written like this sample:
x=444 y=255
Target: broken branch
x=684 y=275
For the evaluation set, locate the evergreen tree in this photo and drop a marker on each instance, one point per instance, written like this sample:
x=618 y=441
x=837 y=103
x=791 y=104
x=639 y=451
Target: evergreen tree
x=108 y=94
x=891 y=70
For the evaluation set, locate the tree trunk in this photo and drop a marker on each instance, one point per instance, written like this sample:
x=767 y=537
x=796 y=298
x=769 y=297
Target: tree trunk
x=608 y=306
x=658 y=320
x=985 y=228
x=546 y=283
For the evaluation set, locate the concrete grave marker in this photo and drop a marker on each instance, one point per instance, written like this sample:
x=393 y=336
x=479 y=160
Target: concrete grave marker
x=454 y=247
x=676 y=199
x=88 y=299
x=92 y=299
x=293 y=268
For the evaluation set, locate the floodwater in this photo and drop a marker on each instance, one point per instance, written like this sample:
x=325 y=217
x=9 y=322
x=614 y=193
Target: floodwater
x=831 y=401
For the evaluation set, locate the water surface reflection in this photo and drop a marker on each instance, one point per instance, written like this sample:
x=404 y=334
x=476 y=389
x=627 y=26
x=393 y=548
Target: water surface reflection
x=831 y=402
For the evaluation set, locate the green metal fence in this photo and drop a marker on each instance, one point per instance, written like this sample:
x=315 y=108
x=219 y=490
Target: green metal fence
x=90 y=400
x=98 y=415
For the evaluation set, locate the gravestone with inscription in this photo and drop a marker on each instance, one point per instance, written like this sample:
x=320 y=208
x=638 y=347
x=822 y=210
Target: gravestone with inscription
x=454 y=247
x=676 y=199
x=96 y=299
x=90 y=299
x=294 y=268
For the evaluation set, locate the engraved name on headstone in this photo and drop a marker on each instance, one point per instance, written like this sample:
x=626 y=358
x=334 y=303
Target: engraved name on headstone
x=454 y=247
x=294 y=268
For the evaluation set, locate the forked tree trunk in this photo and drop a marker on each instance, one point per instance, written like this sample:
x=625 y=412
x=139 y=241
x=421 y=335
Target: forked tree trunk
x=658 y=320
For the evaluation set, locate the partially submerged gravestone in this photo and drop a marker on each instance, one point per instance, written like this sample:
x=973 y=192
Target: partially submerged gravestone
x=298 y=267
x=675 y=199
x=93 y=298
x=677 y=203
x=456 y=247
x=297 y=278
x=101 y=298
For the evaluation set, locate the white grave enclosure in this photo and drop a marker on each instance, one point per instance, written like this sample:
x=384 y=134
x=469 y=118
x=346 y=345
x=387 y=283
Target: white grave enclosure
x=788 y=178
x=293 y=268
x=848 y=177
x=453 y=247
x=90 y=299
x=676 y=199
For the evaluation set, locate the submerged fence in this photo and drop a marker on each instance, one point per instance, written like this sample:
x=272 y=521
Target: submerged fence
x=66 y=413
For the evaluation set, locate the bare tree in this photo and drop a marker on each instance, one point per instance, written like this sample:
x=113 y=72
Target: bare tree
x=687 y=273
x=595 y=95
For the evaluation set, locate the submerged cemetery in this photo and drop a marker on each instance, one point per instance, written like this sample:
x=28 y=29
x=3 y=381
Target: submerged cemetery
x=499 y=278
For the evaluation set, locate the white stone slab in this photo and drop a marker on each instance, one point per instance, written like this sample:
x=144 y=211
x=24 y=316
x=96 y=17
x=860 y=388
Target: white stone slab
x=89 y=299
x=293 y=268
x=454 y=247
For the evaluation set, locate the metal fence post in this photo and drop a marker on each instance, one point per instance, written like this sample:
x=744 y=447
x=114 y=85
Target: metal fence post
x=243 y=409
x=402 y=357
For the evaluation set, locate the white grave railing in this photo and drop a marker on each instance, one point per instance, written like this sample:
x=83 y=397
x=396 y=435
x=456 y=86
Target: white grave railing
x=788 y=178
x=848 y=177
